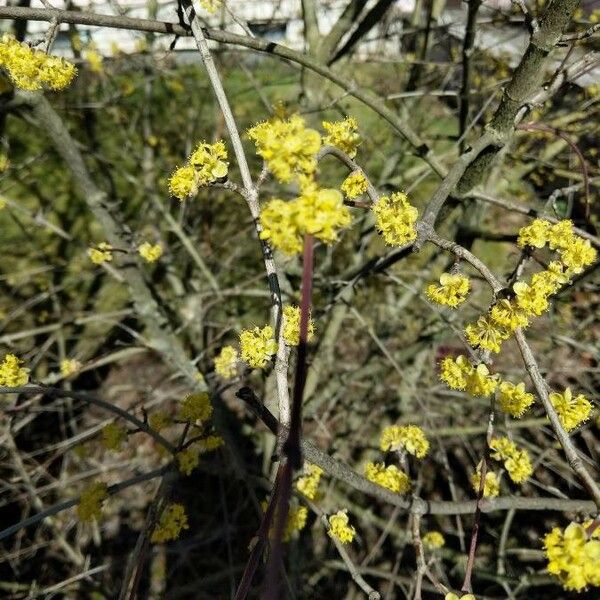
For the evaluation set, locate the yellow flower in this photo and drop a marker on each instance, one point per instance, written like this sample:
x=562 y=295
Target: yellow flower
x=340 y=528
x=409 y=437
x=514 y=400
x=287 y=146
x=210 y=162
x=150 y=253
x=535 y=234
x=491 y=487
x=210 y=443
x=453 y=596
x=433 y=540
x=390 y=477
x=516 y=461
x=561 y=234
x=94 y=59
x=4 y=163
x=508 y=315
x=257 y=346
x=573 y=556
x=532 y=300
x=91 y=500
x=113 y=436
x=68 y=366
x=196 y=407
x=481 y=383
x=188 y=459
x=355 y=184
x=101 y=254
x=452 y=291
x=296 y=521
x=485 y=334
x=455 y=372
x=291 y=326
x=571 y=411
x=308 y=483
x=172 y=522
x=321 y=212
x=31 y=69
x=342 y=135
x=184 y=182
x=226 y=362
x=210 y=6
x=11 y=372
x=396 y=218
x=279 y=227
x=159 y=420
x=578 y=255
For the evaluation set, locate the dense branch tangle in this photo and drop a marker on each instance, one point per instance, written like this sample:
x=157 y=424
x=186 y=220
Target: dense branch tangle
x=525 y=82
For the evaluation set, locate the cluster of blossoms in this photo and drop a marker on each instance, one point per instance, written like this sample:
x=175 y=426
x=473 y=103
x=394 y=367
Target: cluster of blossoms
x=574 y=555
x=453 y=596
x=206 y=164
x=257 y=346
x=150 y=252
x=491 y=484
x=288 y=147
x=340 y=528
x=396 y=218
x=12 y=374
x=188 y=459
x=113 y=436
x=532 y=299
x=172 y=522
x=452 y=291
x=459 y=374
x=296 y=521
x=69 y=366
x=318 y=212
x=31 y=69
x=516 y=460
x=355 y=184
x=210 y=6
x=196 y=407
x=572 y=411
x=309 y=482
x=404 y=437
x=513 y=399
x=433 y=540
x=91 y=500
x=390 y=477
x=226 y=362
x=343 y=135
x=291 y=326
x=102 y=253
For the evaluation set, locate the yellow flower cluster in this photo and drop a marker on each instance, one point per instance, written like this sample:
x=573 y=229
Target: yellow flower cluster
x=319 y=212
x=91 y=500
x=210 y=6
x=149 y=252
x=309 y=483
x=486 y=334
x=516 y=461
x=572 y=411
x=206 y=164
x=532 y=299
x=574 y=556
x=226 y=362
x=93 y=58
x=32 y=69
x=291 y=326
x=257 y=346
x=491 y=485
x=409 y=437
x=343 y=135
x=390 y=477
x=296 y=521
x=459 y=374
x=453 y=596
x=196 y=407
x=287 y=146
x=68 y=366
x=12 y=374
x=355 y=184
x=452 y=291
x=513 y=399
x=101 y=254
x=113 y=436
x=433 y=540
x=172 y=522
x=340 y=528
x=159 y=420
x=396 y=218
x=188 y=459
